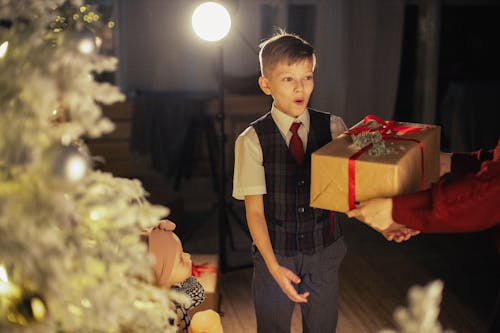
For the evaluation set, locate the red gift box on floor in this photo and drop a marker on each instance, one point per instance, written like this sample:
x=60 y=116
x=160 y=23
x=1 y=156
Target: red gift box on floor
x=343 y=173
x=205 y=270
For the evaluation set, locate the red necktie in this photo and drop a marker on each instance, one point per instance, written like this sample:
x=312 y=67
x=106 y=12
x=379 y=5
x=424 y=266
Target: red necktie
x=296 y=146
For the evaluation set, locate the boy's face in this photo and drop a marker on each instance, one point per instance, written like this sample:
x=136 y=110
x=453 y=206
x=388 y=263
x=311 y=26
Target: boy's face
x=290 y=86
x=182 y=265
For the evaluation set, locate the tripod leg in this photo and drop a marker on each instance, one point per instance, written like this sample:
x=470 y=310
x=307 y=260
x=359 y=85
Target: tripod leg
x=211 y=146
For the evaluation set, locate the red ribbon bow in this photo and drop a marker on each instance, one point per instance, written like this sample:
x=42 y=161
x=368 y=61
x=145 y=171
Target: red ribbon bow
x=196 y=270
x=386 y=128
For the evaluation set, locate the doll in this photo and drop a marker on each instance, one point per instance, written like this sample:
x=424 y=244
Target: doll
x=172 y=268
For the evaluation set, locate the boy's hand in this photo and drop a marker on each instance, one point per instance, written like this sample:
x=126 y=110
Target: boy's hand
x=284 y=278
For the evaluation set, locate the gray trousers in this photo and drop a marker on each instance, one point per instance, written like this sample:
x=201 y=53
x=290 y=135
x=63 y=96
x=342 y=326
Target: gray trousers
x=318 y=274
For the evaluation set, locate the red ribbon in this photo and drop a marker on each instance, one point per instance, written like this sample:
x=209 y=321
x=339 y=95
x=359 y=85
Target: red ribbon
x=385 y=129
x=196 y=270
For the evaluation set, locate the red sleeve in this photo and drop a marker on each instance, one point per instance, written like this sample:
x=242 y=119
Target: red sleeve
x=463 y=163
x=466 y=205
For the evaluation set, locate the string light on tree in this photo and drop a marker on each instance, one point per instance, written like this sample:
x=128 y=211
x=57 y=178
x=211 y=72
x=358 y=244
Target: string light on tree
x=4 y=281
x=30 y=308
x=84 y=40
x=86 y=45
x=3 y=49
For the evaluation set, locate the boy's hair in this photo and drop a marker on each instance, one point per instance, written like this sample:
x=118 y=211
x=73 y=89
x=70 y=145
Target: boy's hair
x=283 y=46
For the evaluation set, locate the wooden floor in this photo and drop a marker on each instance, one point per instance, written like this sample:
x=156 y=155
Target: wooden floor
x=374 y=277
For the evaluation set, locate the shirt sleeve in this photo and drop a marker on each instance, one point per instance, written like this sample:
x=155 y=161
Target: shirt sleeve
x=463 y=163
x=467 y=204
x=249 y=176
x=337 y=126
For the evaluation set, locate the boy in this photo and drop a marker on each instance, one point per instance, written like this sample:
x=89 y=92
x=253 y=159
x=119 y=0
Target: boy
x=297 y=250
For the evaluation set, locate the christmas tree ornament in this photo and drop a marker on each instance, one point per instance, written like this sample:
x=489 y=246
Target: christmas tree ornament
x=83 y=40
x=59 y=114
x=30 y=308
x=70 y=163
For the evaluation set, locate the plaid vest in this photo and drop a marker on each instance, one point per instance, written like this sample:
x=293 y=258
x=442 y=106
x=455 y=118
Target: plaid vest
x=294 y=227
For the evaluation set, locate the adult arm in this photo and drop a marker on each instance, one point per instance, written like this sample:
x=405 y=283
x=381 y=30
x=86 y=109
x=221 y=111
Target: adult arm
x=468 y=204
x=470 y=162
x=463 y=201
x=254 y=206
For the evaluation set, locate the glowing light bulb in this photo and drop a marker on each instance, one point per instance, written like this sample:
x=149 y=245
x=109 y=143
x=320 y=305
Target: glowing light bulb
x=86 y=45
x=211 y=21
x=95 y=215
x=4 y=281
x=3 y=49
x=76 y=167
x=38 y=308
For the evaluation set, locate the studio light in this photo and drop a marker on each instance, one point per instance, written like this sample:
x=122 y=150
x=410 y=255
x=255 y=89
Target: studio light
x=211 y=21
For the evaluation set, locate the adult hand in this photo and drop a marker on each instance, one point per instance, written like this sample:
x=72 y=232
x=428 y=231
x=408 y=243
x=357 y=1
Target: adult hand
x=398 y=232
x=284 y=278
x=377 y=213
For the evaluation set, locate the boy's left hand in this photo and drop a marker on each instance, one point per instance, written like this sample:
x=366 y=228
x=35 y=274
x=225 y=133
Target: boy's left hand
x=284 y=278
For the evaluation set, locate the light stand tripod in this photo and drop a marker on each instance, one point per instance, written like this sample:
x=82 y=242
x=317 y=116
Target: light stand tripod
x=211 y=22
x=223 y=207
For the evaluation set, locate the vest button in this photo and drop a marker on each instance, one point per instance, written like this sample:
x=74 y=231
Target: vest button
x=301 y=236
x=300 y=183
x=300 y=210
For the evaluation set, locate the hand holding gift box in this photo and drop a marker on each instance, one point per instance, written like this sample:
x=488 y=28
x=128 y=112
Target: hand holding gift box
x=404 y=159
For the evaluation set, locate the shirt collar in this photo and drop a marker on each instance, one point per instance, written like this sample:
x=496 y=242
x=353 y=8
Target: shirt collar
x=284 y=121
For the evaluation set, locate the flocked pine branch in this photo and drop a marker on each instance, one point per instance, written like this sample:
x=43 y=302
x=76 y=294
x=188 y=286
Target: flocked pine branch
x=71 y=259
x=421 y=315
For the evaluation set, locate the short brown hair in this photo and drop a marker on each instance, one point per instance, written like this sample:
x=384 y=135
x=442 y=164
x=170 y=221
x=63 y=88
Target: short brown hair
x=283 y=46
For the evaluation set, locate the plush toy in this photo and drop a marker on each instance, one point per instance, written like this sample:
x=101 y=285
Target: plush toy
x=172 y=265
x=207 y=321
x=172 y=268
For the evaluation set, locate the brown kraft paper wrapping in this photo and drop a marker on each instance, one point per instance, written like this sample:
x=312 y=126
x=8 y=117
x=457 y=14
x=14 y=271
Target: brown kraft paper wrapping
x=375 y=176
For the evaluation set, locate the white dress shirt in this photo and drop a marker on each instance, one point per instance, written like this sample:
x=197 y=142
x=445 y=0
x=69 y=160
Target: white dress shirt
x=249 y=177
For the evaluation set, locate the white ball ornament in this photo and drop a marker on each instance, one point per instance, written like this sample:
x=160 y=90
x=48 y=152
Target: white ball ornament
x=70 y=163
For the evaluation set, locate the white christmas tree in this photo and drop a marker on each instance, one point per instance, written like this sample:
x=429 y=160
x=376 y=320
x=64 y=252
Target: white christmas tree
x=421 y=315
x=71 y=259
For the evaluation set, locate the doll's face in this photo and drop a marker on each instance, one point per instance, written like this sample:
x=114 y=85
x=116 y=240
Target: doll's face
x=181 y=269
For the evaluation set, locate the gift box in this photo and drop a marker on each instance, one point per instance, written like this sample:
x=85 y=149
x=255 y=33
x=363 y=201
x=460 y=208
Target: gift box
x=343 y=172
x=205 y=268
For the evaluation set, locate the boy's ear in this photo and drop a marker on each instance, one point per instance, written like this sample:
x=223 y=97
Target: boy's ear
x=264 y=85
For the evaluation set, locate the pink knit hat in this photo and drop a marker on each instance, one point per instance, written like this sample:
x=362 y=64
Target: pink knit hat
x=163 y=244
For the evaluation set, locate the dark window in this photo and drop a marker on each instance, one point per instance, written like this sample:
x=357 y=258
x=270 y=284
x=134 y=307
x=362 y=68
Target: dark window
x=301 y=21
x=268 y=16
